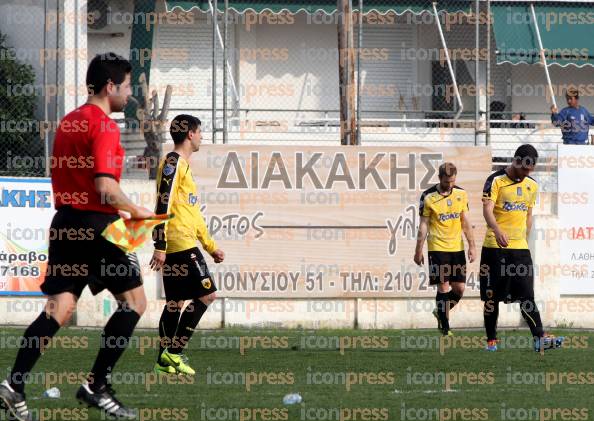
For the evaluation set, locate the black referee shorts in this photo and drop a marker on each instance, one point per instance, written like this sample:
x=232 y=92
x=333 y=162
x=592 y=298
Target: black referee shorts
x=186 y=276
x=80 y=256
x=506 y=275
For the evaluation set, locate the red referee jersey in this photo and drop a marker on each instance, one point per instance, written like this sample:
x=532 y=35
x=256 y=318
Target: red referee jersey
x=87 y=144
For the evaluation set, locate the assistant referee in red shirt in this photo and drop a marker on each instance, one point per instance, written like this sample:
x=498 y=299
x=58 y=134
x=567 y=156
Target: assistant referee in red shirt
x=87 y=197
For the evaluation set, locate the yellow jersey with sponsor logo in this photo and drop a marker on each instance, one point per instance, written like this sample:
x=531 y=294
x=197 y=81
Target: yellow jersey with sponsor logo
x=444 y=213
x=177 y=194
x=512 y=200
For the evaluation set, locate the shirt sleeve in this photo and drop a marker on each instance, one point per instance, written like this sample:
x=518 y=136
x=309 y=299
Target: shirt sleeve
x=534 y=196
x=105 y=148
x=204 y=237
x=166 y=185
x=491 y=189
x=465 y=206
x=558 y=118
x=424 y=210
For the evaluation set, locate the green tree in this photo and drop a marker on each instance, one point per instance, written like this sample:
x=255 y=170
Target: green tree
x=19 y=130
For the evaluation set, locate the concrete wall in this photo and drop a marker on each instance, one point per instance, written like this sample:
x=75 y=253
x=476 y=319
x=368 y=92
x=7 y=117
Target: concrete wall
x=340 y=313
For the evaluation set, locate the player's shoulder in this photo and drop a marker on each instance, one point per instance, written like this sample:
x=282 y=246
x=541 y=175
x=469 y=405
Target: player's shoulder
x=531 y=182
x=170 y=163
x=427 y=193
x=495 y=177
x=459 y=191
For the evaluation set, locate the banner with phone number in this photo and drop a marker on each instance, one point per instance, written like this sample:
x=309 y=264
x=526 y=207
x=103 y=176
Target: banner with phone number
x=26 y=211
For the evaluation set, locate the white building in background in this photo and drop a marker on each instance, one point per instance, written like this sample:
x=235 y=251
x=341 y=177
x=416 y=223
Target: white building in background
x=284 y=68
x=283 y=82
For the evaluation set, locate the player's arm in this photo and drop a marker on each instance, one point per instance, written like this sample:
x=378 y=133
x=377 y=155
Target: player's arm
x=208 y=243
x=421 y=235
x=166 y=185
x=500 y=236
x=531 y=205
x=490 y=193
x=528 y=222
x=469 y=234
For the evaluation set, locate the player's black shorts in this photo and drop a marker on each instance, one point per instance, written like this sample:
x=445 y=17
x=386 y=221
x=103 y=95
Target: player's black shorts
x=80 y=256
x=506 y=275
x=447 y=266
x=186 y=276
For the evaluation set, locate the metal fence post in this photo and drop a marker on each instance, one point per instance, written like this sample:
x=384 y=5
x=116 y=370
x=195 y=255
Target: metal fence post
x=214 y=71
x=488 y=77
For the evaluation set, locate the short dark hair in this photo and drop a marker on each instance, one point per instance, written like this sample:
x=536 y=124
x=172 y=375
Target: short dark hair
x=104 y=68
x=526 y=155
x=447 y=169
x=181 y=125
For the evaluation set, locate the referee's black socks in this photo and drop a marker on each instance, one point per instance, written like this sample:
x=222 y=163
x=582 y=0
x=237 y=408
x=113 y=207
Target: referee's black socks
x=114 y=341
x=34 y=341
x=443 y=307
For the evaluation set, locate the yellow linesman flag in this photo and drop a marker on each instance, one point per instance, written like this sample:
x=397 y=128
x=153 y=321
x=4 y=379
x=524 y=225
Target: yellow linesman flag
x=130 y=234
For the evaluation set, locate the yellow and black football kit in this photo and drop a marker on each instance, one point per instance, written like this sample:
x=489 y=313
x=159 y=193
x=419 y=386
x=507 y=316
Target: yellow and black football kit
x=447 y=262
x=512 y=200
x=177 y=194
x=185 y=273
x=507 y=273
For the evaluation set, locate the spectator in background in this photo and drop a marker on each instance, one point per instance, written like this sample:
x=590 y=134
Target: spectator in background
x=520 y=117
x=497 y=113
x=574 y=120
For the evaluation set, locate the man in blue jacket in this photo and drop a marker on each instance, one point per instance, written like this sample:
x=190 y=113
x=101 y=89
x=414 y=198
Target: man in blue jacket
x=574 y=120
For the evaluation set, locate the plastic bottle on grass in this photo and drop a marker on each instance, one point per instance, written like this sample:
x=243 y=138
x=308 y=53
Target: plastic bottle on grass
x=292 y=399
x=53 y=393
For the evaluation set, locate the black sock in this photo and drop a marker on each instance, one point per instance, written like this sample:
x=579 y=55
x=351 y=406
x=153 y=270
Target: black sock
x=454 y=298
x=490 y=314
x=443 y=308
x=31 y=346
x=114 y=341
x=167 y=327
x=187 y=324
x=532 y=316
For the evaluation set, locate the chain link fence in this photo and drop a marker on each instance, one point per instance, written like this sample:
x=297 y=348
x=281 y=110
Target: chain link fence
x=463 y=71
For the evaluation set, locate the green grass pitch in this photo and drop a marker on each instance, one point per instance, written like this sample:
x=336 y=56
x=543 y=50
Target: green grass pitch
x=341 y=375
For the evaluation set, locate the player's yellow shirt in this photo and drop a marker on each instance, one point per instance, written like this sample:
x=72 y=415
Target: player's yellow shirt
x=512 y=200
x=177 y=194
x=444 y=213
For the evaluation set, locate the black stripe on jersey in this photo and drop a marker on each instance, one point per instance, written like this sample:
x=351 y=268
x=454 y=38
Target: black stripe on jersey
x=423 y=195
x=168 y=174
x=489 y=182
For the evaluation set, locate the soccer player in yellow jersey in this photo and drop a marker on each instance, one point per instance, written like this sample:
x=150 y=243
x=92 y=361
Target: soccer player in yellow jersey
x=507 y=272
x=185 y=273
x=444 y=216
